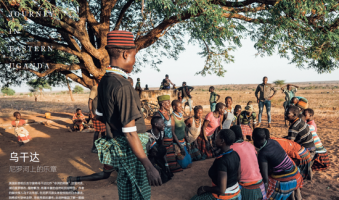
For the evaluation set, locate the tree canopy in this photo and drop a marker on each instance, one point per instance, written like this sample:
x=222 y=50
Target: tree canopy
x=38 y=84
x=305 y=32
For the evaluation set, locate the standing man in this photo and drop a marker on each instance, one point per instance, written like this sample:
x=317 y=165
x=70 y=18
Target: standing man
x=99 y=127
x=264 y=99
x=124 y=147
x=166 y=83
x=289 y=94
x=185 y=95
x=138 y=87
x=213 y=100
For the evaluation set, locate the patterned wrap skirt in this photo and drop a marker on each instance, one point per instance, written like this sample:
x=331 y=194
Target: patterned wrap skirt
x=321 y=162
x=99 y=126
x=203 y=147
x=209 y=196
x=305 y=162
x=246 y=129
x=231 y=193
x=170 y=156
x=132 y=178
x=281 y=188
x=253 y=190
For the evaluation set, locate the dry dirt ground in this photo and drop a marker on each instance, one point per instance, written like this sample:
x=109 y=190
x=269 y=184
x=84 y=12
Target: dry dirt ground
x=70 y=152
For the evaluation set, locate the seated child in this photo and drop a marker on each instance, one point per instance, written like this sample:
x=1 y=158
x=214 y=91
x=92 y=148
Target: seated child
x=237 y=111
x=321 y=160
x=146 y=87
x=156 y=149
x=300 y=102
x=19 y=130
x=79 y=121
x=245 y=121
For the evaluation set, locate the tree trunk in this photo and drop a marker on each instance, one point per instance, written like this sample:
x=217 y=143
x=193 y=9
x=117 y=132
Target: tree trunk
x=70 y=90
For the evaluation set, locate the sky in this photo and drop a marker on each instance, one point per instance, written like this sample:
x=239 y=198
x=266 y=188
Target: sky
x=246 y=69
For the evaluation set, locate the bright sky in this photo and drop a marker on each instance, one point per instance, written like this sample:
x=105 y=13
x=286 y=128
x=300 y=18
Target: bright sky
x=247 y=69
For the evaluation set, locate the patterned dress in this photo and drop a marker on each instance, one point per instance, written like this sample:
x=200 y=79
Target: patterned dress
x=168 y=143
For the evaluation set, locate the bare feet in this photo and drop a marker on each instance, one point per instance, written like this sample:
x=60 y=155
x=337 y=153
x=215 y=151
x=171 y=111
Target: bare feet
x=70 y=130
x=258 y=126
x=269 y=125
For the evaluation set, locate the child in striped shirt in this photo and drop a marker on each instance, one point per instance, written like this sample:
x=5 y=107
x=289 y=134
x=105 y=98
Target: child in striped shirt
x=321 y=159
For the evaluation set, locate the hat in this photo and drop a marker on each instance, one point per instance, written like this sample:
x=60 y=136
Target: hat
x=164 y=98
x=120 y=39
x=249 y=108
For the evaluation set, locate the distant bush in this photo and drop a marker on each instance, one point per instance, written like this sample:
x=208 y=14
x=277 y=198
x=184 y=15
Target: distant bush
x=21 y=93
x=78 y=89
x=279 y=82
x=7 y=91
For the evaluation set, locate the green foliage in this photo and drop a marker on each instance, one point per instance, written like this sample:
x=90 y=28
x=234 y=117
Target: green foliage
x=279 y=82
x=78 y=89
x=7 y=91
x=39 y=84
x=304 y=32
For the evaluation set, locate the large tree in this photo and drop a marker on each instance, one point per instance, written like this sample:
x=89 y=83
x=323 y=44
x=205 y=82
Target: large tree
x=305 y=32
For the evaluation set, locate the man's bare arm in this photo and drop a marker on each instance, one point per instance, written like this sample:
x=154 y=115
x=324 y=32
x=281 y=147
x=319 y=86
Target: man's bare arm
x=91 y=112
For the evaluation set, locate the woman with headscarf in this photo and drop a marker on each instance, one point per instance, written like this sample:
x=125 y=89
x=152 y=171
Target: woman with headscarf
x=164 y=112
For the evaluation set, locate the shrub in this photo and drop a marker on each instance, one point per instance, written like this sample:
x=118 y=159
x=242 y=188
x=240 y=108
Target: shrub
x=279 y=82
x=78 y=89
x=7 y=91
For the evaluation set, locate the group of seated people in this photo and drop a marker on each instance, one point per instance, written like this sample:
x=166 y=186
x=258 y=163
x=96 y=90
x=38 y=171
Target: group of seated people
x=272 y=168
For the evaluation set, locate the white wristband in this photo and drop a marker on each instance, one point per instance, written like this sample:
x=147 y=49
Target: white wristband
x=129 y=129
x=98 y=113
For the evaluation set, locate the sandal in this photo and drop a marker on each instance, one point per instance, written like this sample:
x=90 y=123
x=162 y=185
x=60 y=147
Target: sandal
x=69 y=180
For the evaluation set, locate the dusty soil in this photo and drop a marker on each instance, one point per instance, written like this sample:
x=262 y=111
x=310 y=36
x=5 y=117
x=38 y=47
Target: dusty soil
x=70 y=152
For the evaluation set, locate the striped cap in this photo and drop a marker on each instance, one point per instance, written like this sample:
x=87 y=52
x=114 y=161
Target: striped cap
x=120 y=39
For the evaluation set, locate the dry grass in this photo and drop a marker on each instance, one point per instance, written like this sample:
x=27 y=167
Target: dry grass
x=325 y=102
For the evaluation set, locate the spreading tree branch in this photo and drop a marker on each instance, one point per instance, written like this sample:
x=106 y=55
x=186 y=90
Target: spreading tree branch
x=122 y=13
